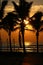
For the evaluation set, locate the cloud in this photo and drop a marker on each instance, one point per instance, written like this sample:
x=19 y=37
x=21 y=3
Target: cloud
x=35 y=2
x=36 y=8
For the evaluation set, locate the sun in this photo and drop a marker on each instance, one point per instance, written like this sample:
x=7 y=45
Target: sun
x=28 y=26
x=26 y=21
x=27 y=43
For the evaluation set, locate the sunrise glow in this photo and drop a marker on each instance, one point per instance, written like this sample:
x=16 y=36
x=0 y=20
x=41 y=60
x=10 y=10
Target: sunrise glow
x=27 y=43
x=26 y=22
x=10 y=8
x=26 y=30
x=29 y=27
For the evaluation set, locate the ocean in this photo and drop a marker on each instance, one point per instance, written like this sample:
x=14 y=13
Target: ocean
x=28 y=48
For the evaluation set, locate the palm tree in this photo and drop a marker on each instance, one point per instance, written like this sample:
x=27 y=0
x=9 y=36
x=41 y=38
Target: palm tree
x=4 y=3
x=8 y=24
x=22 y=9
x=36 y=22
x=0 y=37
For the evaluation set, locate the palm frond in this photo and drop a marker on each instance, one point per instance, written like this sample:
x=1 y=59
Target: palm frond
x=30 y=30
x=4 y=3
x=37 y=14
x=42 y=22
x=41 y=29
x=0 y=25
x=5 y=28
x=10 y=19
x=14 y=29
x=23 y=8
x=15 y=6
x=35 y=20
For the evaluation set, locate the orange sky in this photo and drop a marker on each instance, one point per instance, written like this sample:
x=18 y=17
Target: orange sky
x=29 y=36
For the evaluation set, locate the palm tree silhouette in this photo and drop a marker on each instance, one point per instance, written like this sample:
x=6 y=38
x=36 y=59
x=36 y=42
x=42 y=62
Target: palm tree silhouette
x=0 y=37
x=22 y=9
x=36 y=22
x=4 y=3
x=8 y=24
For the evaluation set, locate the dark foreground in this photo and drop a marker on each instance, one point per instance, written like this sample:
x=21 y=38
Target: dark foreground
x=21 y=58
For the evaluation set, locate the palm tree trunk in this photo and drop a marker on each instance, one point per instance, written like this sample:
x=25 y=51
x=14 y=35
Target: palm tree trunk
x=7 y=45
x=23 y=42
x=20 y=40
x=22 y=31
x=10 y=40
x=0 y=42
x=14 y=43
x=37 y=34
